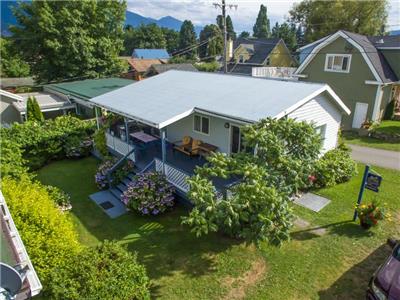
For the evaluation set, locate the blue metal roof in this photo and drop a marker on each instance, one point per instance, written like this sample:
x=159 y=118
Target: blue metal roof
x=150 y=54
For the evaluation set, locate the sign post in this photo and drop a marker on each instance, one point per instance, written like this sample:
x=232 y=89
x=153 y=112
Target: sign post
x=371 y=182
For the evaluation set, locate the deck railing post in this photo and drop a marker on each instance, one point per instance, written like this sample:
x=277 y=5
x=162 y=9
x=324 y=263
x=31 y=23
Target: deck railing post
x=127 y=132
x=163 y=150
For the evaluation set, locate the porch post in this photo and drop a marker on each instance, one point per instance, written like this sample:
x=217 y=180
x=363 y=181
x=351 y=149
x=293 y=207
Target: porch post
x=127 y=132
x=97 y=117
x=163 y=150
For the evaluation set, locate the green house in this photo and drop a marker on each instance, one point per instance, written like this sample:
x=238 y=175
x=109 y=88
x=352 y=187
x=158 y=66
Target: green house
x=363 y=71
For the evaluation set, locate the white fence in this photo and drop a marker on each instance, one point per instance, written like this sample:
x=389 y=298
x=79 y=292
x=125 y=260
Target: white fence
x=175 y=176
x=119 y=146
x=274 y=72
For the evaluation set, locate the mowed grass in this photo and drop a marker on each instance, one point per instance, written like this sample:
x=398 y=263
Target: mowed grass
x=354 y=138
x=336 y=265
x=390 y=127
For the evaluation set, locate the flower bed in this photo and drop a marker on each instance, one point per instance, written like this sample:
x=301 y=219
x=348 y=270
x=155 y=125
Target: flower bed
x=116 y=177
x=149 y=194
x=370 y=214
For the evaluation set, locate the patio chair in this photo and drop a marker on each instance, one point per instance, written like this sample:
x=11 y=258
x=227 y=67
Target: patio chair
x=195 y=149
x=184 y=146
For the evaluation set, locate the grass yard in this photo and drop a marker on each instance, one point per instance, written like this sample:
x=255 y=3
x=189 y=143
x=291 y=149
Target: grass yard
x=390 y=127
x=330 y=258
x=353 y=138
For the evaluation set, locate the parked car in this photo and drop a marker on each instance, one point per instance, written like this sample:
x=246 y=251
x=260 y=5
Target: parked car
x=385 y=283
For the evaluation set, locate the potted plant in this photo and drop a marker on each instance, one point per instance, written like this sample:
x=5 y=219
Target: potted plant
x=364 y=130
x=369 y=214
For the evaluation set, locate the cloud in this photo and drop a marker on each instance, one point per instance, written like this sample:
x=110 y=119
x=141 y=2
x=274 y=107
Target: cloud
x=202 y=12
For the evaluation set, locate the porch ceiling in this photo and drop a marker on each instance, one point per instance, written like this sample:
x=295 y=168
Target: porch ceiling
x=166 y=98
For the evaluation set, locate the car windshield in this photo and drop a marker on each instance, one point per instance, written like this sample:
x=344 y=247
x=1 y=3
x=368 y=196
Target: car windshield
x=396 y=253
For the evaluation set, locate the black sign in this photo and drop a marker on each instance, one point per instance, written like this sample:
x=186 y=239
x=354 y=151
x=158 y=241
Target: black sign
x=373 y=182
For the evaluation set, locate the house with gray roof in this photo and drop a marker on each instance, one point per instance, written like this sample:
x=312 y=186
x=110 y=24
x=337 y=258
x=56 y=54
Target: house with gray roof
x=363 y=71
x=209 y=109
x=248 y=53
x=156 y=69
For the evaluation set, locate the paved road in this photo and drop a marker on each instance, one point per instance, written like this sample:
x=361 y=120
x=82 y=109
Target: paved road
x=376 y=157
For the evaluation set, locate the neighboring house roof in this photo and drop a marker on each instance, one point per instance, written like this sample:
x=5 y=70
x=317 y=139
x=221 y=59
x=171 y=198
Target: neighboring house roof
x=367 y=47
x=261 y=48
x=143 y=65
x=244 y=69
x=46 y=101
x=386 y=42
x=89 y=88
x=16 y=82
x=173 y=95
x=11 y=95
x=161 y=68
x=150 y=54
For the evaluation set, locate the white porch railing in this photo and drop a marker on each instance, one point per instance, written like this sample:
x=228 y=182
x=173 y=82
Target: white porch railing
x=119 y=145
x=274 y=72
x=174 y=176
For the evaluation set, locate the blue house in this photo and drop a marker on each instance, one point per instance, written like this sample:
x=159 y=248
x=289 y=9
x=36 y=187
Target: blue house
x=150 y=54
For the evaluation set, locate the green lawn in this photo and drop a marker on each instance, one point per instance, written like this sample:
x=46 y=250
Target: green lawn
x=336 y=265
x=353 y=138
x=391 y=127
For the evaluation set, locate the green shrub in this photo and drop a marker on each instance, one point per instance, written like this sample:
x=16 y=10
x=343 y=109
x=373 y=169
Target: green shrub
x=11 y=161
x=208 y=67
x=49 y=235
x=108 y=271
x=60 y=198
x=100 y=142
x=33 y=111
x=336 y=166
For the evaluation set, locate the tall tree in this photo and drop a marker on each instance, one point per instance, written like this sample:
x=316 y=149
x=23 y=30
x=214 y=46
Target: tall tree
x=215 y=44
x=68 y=39
x=12 y=64
x=230 y=32
x=287 y=33
x=321 y=18
x=187 y=39
x=148 y=37
x=172 y=39
x=244 y=34
x=33 y=111
x=261 y=28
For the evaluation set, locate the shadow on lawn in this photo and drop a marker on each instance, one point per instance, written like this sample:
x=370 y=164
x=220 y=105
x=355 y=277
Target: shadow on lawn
x=353 y=283
x=344 y=228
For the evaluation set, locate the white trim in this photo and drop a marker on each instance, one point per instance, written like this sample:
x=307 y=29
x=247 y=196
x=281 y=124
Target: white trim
x=388 y=48
x=223 y=117
x=371 y=82
x=11 y=95
x=325 y=88
x=201 y=124
x=175 y=119
x=377 y=103
x=327 y=56
x=329 y=40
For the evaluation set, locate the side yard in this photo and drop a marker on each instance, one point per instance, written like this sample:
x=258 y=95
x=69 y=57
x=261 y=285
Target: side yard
x=329 y=257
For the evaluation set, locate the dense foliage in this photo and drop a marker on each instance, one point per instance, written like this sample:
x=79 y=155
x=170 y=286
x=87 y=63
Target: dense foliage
x=33 y=111
x=149 y=193
x=49 y=236
x=261 y=28
x=230 y=32
x=208 y=66
x=107 y=271
x=116 y=177
x=11 y=160
x=321 y=18
x=100 y=142
x=336 y=166
x=60 y=198
x=287 y=32
x=70 y=39
x=187 y=40
x=215 y=45
x=12 y=64
x=51 y=139
x=273 y=165
x=145 y=36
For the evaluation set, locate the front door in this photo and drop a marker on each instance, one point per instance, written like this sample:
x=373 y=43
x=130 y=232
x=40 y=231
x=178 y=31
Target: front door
x=360 y=114
x=235 y=139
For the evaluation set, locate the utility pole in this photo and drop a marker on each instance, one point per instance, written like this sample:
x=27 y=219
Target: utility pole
x=222 y=6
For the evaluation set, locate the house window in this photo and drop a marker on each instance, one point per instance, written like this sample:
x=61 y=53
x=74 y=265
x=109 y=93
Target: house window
x=321 y=130
x=337 y=63
x=201 y=124
x=241 y=58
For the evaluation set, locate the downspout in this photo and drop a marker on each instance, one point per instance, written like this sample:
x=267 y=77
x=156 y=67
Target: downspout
x=163 y=150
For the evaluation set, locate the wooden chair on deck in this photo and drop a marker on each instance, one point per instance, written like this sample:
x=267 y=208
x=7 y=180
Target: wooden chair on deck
x=184 y=146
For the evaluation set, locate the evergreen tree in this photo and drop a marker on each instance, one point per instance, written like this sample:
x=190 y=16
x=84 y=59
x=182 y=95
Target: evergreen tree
x=244 y=34
x=287 y=33
x=33 y=111
x=261 y=28
x=187 y=39
x=214 y=46
x=172 y=39
x=230 y=32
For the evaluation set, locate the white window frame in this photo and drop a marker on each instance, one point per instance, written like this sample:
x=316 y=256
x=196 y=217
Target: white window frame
x=201 y=124
x=326 y=69
x=321 y=130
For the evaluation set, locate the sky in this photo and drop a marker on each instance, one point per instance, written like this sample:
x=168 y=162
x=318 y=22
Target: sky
x=202 y=12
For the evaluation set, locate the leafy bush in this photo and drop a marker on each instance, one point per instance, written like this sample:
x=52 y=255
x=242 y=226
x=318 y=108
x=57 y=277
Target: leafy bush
x=336 y=166
x=11 y=161
x=208 y=67
x=49 y=235
x=100 y=142
x=60 y=198
x=107 y=271
x=149 y=193
x=116 y=177
x=77 y=146
x=42 y=142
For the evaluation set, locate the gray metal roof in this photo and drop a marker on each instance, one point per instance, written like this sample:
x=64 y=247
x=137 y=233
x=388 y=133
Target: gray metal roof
x=170 y=96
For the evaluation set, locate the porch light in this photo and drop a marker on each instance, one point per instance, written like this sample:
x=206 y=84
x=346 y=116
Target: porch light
x=226 y=125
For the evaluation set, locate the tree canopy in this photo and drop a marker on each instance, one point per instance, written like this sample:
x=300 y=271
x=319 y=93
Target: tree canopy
x=286 y=32
x=230 y=32
x=215 y=44
x=261 y=28
x=273 y=165
x=70 y=39
x=321 y=18
x=12 y=64
x=187 y=39
x=244 y=34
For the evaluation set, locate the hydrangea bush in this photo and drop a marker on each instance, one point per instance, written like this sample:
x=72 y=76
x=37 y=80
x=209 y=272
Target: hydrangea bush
x=149 y=194
x=116 y=177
